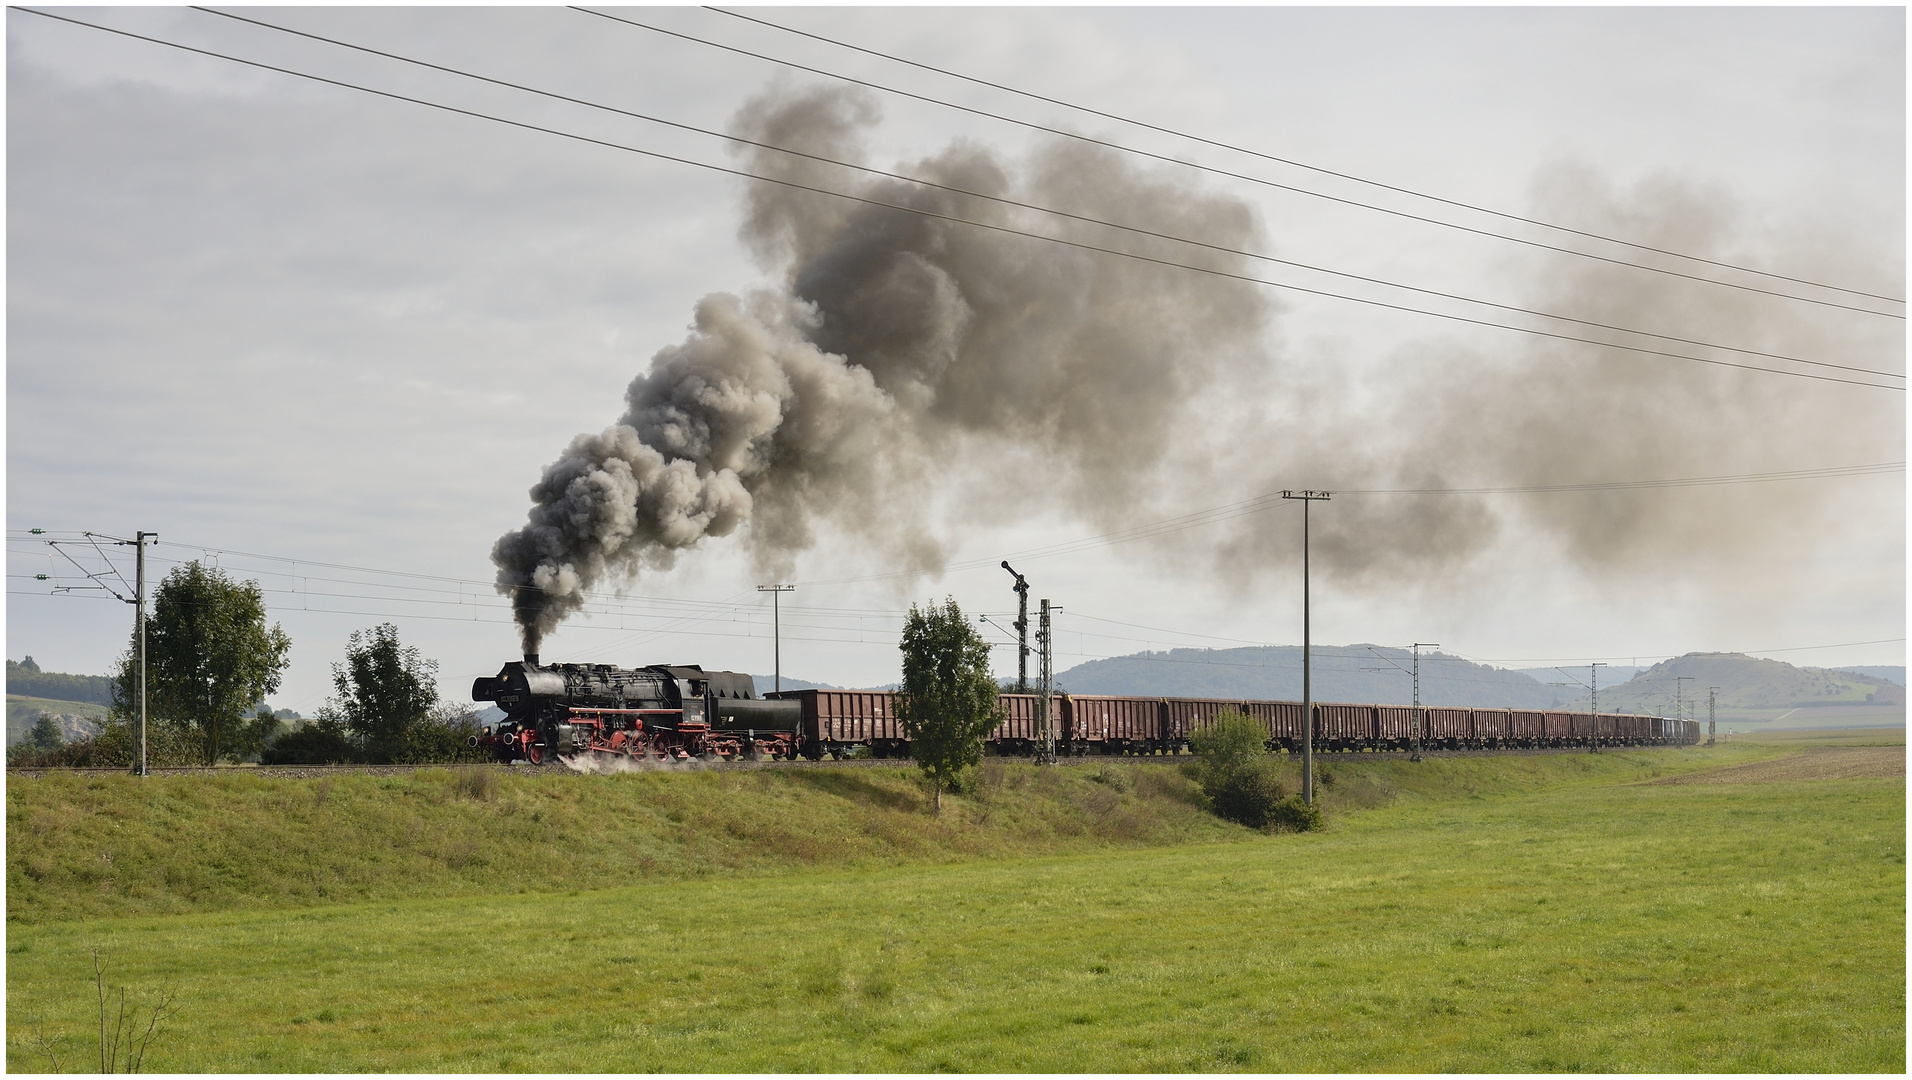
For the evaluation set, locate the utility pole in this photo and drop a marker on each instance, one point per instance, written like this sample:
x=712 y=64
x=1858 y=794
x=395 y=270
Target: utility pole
x=139 y=592
x=1594 y=705
x=138 y=600
x=1022 y=629
x=138 y=543
x=1418 y=646
x=1679 y=696
x=776 y=629
x=1307 y=650
x=1712 y=721
x=1045 y=712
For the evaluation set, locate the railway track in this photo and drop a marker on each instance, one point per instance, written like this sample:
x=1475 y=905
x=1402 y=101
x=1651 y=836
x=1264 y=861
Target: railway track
x=308 y=772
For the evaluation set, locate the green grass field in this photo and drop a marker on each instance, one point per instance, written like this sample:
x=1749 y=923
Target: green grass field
x=1542 y=913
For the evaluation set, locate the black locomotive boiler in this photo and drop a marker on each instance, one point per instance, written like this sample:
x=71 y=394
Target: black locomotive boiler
x=658 y=713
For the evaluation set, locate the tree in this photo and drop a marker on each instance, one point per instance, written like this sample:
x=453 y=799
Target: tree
x=948 y=700
x=209 y=656
x=386 y=692
x=46 y=733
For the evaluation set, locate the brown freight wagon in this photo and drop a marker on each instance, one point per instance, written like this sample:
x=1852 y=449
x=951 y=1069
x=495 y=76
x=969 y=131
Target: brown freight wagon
x=1451 y=728
x=1394 y=726
x=1112 y=725
x=1281 y=719
x=1183 y=717
x=1585 y=729
x=1019 y=732
x=1636 y=730
x=1526 y=727
x=1343 y=727
x=836 y=720
x=1560 y=727
x=1606 y=729
x=1491 y=727
x=1690 y=731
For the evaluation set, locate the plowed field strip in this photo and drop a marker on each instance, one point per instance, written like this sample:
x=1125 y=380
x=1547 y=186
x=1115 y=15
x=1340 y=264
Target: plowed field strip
x=1819 y=763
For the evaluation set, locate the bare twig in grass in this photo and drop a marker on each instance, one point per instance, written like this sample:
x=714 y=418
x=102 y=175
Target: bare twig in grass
x=124 y=1026
x=39 y=1039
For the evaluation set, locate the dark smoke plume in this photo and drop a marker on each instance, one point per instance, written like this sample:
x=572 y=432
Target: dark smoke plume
x=898 y=344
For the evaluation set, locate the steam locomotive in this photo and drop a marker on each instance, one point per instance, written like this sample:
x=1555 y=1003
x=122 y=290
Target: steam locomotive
x=659 y=713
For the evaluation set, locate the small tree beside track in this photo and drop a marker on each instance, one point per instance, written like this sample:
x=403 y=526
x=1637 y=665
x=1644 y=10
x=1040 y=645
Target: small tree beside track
x=209 y=657
x=948 y=699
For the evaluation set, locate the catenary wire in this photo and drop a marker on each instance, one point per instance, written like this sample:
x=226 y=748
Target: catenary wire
x=1157 y=528
x=1007 y=230
x=1460 y=204
x=1064 y=133
x=1004 y=201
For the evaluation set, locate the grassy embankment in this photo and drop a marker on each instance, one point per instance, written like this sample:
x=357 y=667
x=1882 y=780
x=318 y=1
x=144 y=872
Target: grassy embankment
x=1478 y=914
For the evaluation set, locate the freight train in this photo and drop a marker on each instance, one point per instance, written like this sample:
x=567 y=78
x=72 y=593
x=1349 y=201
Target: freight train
x=676 y=713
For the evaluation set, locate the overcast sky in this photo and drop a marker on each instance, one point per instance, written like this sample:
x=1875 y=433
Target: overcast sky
x=329 y=340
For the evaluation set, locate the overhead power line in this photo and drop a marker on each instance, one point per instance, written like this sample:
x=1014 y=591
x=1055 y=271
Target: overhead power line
x=1178 y=133
x=745 y=174
x=1003 y=201
x=1262 y=181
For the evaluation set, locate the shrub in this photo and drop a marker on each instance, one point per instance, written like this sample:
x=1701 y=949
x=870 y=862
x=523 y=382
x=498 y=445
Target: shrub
x=443 y=737
x=476 y=783
x=1292 y=814
x=1232 y=743
x=1247 y=796
x=1239 y=779
x=323 y=741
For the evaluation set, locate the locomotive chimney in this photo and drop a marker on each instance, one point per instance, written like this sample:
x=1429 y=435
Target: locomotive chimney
x=530 y=659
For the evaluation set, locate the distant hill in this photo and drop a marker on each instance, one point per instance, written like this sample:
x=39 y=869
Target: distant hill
x=25 y=679
x=1341 y=673
x=76 y=719
x=1748 y=683
x=768 y=683
x=1889 y=674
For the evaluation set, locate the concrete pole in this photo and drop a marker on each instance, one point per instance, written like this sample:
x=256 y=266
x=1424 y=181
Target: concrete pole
x=1307 y=650
x=139 y=600
x=1307 y=670
x=776 y=630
